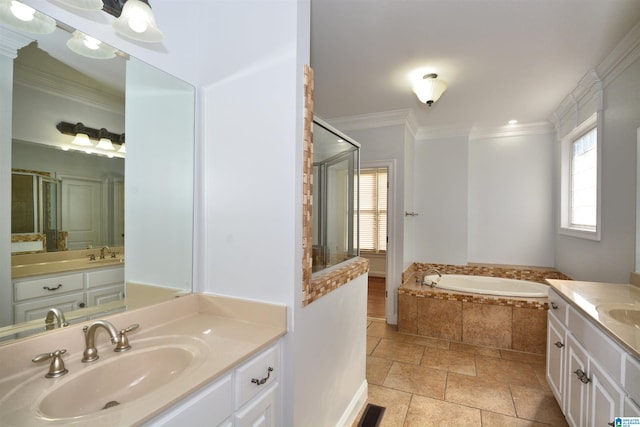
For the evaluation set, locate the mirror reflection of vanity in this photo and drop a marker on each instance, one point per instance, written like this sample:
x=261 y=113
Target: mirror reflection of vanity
x=159 y=127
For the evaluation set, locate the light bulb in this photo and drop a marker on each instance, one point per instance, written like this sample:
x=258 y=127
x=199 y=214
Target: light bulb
x=91 y=43
x=22 y=11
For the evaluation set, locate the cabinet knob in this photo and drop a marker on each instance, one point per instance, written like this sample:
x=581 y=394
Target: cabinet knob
x=81 y=304
x=554 y=305
x=558 y=344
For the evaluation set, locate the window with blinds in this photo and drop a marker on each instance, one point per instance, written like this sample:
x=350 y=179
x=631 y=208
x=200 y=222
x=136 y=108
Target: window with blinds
x=373 y=210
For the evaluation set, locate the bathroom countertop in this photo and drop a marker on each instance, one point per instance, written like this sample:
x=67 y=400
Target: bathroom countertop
x=587 y=297
x=30 y=265
x=229 y=330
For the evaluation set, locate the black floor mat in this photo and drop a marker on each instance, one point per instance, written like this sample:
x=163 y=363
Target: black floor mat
x=372 y=416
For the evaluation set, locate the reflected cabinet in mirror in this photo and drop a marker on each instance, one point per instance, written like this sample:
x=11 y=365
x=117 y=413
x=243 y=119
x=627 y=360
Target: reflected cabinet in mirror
x=71 y=204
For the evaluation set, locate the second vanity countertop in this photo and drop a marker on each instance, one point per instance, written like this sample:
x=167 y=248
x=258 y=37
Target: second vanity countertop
x=227 y=330
x=30 y=265
x=588 y=297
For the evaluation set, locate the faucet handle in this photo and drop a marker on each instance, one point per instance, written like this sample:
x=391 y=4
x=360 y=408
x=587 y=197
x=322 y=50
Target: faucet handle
x=56 y=368
x=123 y=341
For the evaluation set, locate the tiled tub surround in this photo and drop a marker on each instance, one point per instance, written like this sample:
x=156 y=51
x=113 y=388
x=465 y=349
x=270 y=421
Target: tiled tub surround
x=501 y=322
x=244 y=327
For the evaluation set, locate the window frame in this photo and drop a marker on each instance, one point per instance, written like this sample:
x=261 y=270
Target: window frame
x=566 y=227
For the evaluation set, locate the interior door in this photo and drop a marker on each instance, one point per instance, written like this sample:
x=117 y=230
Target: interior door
x=82 y=212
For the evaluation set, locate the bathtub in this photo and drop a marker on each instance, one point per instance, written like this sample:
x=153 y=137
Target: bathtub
x=488 y=285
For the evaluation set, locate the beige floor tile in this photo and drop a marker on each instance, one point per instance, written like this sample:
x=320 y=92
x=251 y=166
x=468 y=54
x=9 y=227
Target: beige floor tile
x=372 y=342
x=449 y=360
x=506 y=371
x=533 y=359
x=381 y=330
x=479 y=393
x=400 y=351
x=427 y=341
x=416 y=379
x=491 y=419
x=426 y=412
x=377 y=369
x=395 y=402
x=475 y=349
x=537 y=405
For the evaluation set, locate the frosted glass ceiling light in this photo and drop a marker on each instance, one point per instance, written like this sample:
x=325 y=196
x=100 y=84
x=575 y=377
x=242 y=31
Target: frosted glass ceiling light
x=104 y=143
x=83 y=4
x=429 y=89
x=23 y=17
x=137 y=22
x=85 y=45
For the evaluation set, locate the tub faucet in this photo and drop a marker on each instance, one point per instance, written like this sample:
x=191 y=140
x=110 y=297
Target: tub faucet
x=432 y=283
x=90 y=351
x=55 y=319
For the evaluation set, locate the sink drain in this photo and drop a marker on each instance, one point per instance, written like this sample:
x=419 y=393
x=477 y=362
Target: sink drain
x=111 y=404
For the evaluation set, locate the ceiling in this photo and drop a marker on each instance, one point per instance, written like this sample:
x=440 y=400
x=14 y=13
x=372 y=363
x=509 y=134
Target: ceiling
x=502 y=59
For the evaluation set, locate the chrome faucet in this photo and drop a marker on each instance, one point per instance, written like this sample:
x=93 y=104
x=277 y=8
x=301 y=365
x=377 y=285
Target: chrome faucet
x=432 y=283
x=90 y=351
x=103 y=250
x=55 y=318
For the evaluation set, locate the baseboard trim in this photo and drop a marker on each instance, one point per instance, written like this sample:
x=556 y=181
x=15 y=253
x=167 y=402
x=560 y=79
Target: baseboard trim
x=355 y=406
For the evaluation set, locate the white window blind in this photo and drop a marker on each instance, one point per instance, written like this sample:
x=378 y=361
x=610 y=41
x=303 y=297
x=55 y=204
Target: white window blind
x=584 y=181
x=373 y=210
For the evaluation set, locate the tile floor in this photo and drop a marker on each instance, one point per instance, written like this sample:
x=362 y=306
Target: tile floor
x=430 y=382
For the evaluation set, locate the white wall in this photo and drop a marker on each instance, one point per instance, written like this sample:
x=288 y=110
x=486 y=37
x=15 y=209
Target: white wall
x=612 y=258
x=510 y=211
x=440 y=194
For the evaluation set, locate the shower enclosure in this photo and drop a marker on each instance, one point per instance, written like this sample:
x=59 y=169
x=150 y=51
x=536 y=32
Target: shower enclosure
x=336 y=168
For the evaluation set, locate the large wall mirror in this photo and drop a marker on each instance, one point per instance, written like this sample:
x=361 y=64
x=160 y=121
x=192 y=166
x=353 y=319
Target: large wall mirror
x=97 y=197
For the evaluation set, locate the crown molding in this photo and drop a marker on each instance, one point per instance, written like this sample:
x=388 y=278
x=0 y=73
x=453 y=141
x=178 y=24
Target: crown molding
x=624 y=54
x=42 y=81
x=371 y=121
x=11 y=42
x=508 y=131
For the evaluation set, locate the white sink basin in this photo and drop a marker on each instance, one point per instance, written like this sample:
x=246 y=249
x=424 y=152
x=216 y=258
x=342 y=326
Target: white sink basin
x=628 y=314
x=119 y=378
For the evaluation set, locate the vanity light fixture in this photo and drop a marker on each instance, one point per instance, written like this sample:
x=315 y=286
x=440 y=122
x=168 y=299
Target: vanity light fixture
x=25 y=18
x=122 y=148
x=86 y=134
x=137 y=22
x=429 y=89
x=85 y=45
x=81 y=138
x=104 y=143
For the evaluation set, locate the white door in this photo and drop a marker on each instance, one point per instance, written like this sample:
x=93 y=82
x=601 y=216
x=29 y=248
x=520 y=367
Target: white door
x=82 y=214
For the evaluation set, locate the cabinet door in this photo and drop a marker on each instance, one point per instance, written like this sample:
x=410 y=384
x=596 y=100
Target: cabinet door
x=556 y=333
x=104 y=295
x=630 y=408
x=37 y=308
x=576 y=390
x=605 y=397
x=260 y=412
x=211 y=406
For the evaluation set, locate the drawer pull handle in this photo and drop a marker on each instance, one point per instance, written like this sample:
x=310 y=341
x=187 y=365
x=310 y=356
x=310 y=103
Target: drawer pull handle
x=559 y=344
x=554 y=305
x=47 y=288
x=264 y=380
x=582 y=376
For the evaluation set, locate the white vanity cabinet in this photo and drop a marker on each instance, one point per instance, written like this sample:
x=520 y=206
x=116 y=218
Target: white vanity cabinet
x=34 y=296
x=585 y=368
x=247 y=396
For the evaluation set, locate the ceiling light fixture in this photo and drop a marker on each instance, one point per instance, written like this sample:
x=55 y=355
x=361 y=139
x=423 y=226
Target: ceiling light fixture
x=25 y=18
x=90 y=47
x=429 y=89
x=137 y=22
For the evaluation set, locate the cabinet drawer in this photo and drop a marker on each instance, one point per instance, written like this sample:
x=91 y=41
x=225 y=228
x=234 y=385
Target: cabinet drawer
x=631 y=379
x=257 y=369
x=558 y=306
x=48 y=286
x=105 y=277
x=598 y=345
